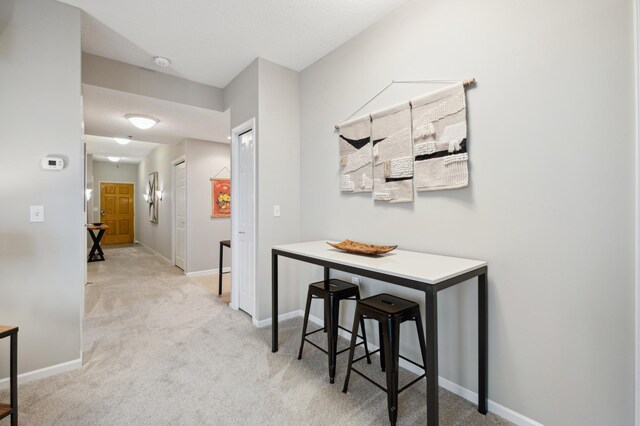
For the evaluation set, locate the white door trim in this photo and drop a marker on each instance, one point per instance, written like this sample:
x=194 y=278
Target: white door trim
x=174 y=163
x=235 y=257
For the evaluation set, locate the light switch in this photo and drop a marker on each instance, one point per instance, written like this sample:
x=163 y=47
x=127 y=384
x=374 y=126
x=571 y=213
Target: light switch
x=276 y=211
x=37 y=214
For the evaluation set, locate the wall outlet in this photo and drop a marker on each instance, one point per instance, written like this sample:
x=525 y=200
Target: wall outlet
x=36 y=214
x=276 y=211
x=355 y=280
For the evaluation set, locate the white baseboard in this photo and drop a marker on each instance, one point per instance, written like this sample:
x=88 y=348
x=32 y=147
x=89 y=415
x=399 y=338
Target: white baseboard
x=30 y=376
x=207 y=272
x=282 y=317
x=494 y=407
x=155 y=252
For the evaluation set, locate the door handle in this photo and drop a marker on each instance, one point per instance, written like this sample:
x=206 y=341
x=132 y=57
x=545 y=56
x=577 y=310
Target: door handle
x=241 y=232
x=101 y=212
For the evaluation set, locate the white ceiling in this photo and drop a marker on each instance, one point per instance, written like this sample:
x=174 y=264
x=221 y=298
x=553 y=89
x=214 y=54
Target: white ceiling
x=211 y=41
x=102 y=147
x=104 y=111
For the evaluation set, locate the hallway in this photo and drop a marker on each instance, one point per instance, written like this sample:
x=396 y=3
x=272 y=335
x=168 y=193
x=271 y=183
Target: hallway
x=160 y=349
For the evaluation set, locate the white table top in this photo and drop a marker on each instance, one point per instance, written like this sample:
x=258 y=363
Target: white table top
x=423 y=267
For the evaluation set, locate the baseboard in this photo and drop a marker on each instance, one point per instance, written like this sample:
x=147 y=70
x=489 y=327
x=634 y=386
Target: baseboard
x=494 y=407
x=283 y=317
x=30 y=376
x=155 y=252
x=207 y=272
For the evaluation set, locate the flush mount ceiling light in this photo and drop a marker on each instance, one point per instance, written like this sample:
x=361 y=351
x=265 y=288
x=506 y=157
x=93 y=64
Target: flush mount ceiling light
x=114 y=159
x=142 y=121
x=123 y=141
x=161 y=61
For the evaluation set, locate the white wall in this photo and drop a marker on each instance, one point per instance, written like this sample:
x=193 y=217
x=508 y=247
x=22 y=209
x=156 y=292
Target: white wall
x=106 y=171
x=278 y=181
x=157 y=236
x=104 y=72
x=550 y=204
x=204 y=233
x=41 y=264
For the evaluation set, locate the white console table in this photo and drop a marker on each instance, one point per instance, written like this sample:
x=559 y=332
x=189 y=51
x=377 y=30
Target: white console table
x=429 y=273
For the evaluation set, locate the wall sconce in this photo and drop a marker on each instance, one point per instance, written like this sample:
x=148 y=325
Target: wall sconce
x=159 y=194
x=87 y=193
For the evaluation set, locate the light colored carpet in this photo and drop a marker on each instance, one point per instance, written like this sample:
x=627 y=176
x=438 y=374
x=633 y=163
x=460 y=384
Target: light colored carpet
x=161 y=349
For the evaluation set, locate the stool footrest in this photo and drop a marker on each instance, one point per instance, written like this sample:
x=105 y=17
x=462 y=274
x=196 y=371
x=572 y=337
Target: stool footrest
x=325 y=351
x=412 y=382
x=370 y=380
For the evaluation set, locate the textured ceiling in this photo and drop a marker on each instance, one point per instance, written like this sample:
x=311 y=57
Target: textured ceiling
x=104 y=111
x=102 y=147
x=211 y=41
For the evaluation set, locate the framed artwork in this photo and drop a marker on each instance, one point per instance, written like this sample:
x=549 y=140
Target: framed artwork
x=152 y=197
x=220 y=197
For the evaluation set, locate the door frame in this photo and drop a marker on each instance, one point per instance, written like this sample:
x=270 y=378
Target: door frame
x=100 y=182
x=174 y=163
x=235 y=191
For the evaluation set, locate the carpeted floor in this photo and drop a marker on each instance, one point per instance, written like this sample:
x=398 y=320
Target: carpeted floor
x=161 y=349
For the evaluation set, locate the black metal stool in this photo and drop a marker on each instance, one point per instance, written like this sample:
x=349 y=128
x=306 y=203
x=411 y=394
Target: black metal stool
x=332 y=291
x=390 y=311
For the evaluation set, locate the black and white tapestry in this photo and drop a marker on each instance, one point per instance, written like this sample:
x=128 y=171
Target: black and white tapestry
x=440 y=139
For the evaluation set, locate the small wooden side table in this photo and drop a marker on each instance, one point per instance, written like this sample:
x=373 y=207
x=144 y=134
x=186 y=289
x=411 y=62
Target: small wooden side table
x=92 y=228
x=11 y=408
x=223 y=243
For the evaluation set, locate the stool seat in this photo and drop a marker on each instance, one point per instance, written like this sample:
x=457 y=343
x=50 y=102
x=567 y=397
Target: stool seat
x=389 y=304
x=332 y=291
x=335 y=286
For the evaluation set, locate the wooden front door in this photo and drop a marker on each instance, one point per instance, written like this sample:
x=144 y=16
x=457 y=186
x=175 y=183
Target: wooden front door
x=116 y=210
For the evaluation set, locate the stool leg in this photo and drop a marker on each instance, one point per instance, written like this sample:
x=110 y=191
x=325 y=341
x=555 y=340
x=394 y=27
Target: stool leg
x=391 y=336
x=334 y=317
x=304 y=324
x=381 y=340
x=423 y=346
x=326 y=313
x=364 y=334
x=352 y=348
x=13 y=380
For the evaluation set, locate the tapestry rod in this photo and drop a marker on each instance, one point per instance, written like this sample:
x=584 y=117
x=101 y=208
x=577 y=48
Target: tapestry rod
x=465 y=83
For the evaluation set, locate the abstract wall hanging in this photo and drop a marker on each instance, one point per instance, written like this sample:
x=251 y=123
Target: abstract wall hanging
x=440 y=139
x=356 y=172
x=220 y=197
x=152 y=197
x=392 y=155
x=424 y=140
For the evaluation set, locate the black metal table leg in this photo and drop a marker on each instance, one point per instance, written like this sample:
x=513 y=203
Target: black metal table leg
x=483 y=343
x=220 y=271
x=431 y=320
x=274 y=302
x=13 y=373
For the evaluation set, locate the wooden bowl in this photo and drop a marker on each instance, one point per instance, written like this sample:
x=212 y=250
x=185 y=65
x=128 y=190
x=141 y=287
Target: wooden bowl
x=362 y=248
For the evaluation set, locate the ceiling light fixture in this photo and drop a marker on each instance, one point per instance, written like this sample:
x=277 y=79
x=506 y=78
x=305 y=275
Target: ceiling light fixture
x=142 y=121
x=161 y=61
x=114 y=159
x=123 y=141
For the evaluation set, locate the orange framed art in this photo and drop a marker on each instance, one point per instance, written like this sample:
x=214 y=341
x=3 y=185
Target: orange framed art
x=220 y=197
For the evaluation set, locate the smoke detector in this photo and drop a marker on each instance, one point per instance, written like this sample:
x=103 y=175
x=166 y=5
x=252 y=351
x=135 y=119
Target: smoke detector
x=161 y=62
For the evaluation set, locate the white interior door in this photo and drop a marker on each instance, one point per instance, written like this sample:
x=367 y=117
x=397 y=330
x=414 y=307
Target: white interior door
x=181 y=214
x=243 y=220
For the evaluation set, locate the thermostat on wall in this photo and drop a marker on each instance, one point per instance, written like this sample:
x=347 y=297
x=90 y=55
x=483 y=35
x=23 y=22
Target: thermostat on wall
x=52 y=163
